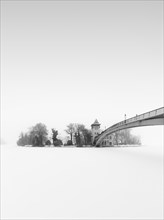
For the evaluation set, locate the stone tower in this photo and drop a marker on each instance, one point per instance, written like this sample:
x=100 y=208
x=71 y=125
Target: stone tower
x=95 y=128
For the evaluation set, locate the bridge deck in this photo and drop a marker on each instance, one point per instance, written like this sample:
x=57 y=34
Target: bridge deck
x=155 y=117
x=151 y=114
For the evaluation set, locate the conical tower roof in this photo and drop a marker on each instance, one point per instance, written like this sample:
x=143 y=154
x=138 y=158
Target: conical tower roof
x=96 y=123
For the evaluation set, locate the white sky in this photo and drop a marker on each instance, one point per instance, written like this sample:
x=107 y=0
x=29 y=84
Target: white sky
x=71 y=62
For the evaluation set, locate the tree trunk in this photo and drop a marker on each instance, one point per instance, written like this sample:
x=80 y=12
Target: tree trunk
x=71 y=137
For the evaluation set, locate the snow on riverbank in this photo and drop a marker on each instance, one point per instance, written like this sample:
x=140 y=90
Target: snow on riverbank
x=92 y=183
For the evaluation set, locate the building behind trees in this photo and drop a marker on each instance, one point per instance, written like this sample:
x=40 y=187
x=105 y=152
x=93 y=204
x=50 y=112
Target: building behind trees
x=122 y=137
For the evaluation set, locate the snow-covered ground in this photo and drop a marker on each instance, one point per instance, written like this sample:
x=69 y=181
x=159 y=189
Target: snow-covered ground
x=91 y=183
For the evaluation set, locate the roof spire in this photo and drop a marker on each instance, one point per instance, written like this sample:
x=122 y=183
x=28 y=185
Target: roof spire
x=96 y=123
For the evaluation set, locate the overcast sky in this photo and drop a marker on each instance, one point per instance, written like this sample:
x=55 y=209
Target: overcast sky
x=70 y=61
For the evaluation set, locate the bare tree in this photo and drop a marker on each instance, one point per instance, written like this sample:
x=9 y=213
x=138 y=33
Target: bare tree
x=71 y=131
x=80 y=134
x=125 y=137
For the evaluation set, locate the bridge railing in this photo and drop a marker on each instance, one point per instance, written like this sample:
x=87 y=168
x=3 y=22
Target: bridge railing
x=146 y=115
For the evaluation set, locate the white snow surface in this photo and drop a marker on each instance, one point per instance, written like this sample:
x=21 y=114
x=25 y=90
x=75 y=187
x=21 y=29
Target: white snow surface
x=82 y=183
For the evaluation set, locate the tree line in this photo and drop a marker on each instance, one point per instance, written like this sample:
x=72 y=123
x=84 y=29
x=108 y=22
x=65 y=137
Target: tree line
x=37 y=136
x=79 y=136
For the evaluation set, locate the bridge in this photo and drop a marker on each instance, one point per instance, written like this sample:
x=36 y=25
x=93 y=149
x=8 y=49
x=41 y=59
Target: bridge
x=154 y=117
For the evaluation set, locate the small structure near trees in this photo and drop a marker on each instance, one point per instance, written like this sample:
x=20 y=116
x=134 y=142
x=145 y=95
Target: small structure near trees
x=48 y=142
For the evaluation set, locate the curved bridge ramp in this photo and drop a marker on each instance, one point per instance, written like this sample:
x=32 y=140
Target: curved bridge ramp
x=154 y=117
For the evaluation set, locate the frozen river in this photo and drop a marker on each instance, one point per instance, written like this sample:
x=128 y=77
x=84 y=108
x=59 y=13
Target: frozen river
x=83 y=183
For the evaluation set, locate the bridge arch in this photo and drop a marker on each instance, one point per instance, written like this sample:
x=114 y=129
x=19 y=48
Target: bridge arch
x=155 y=117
